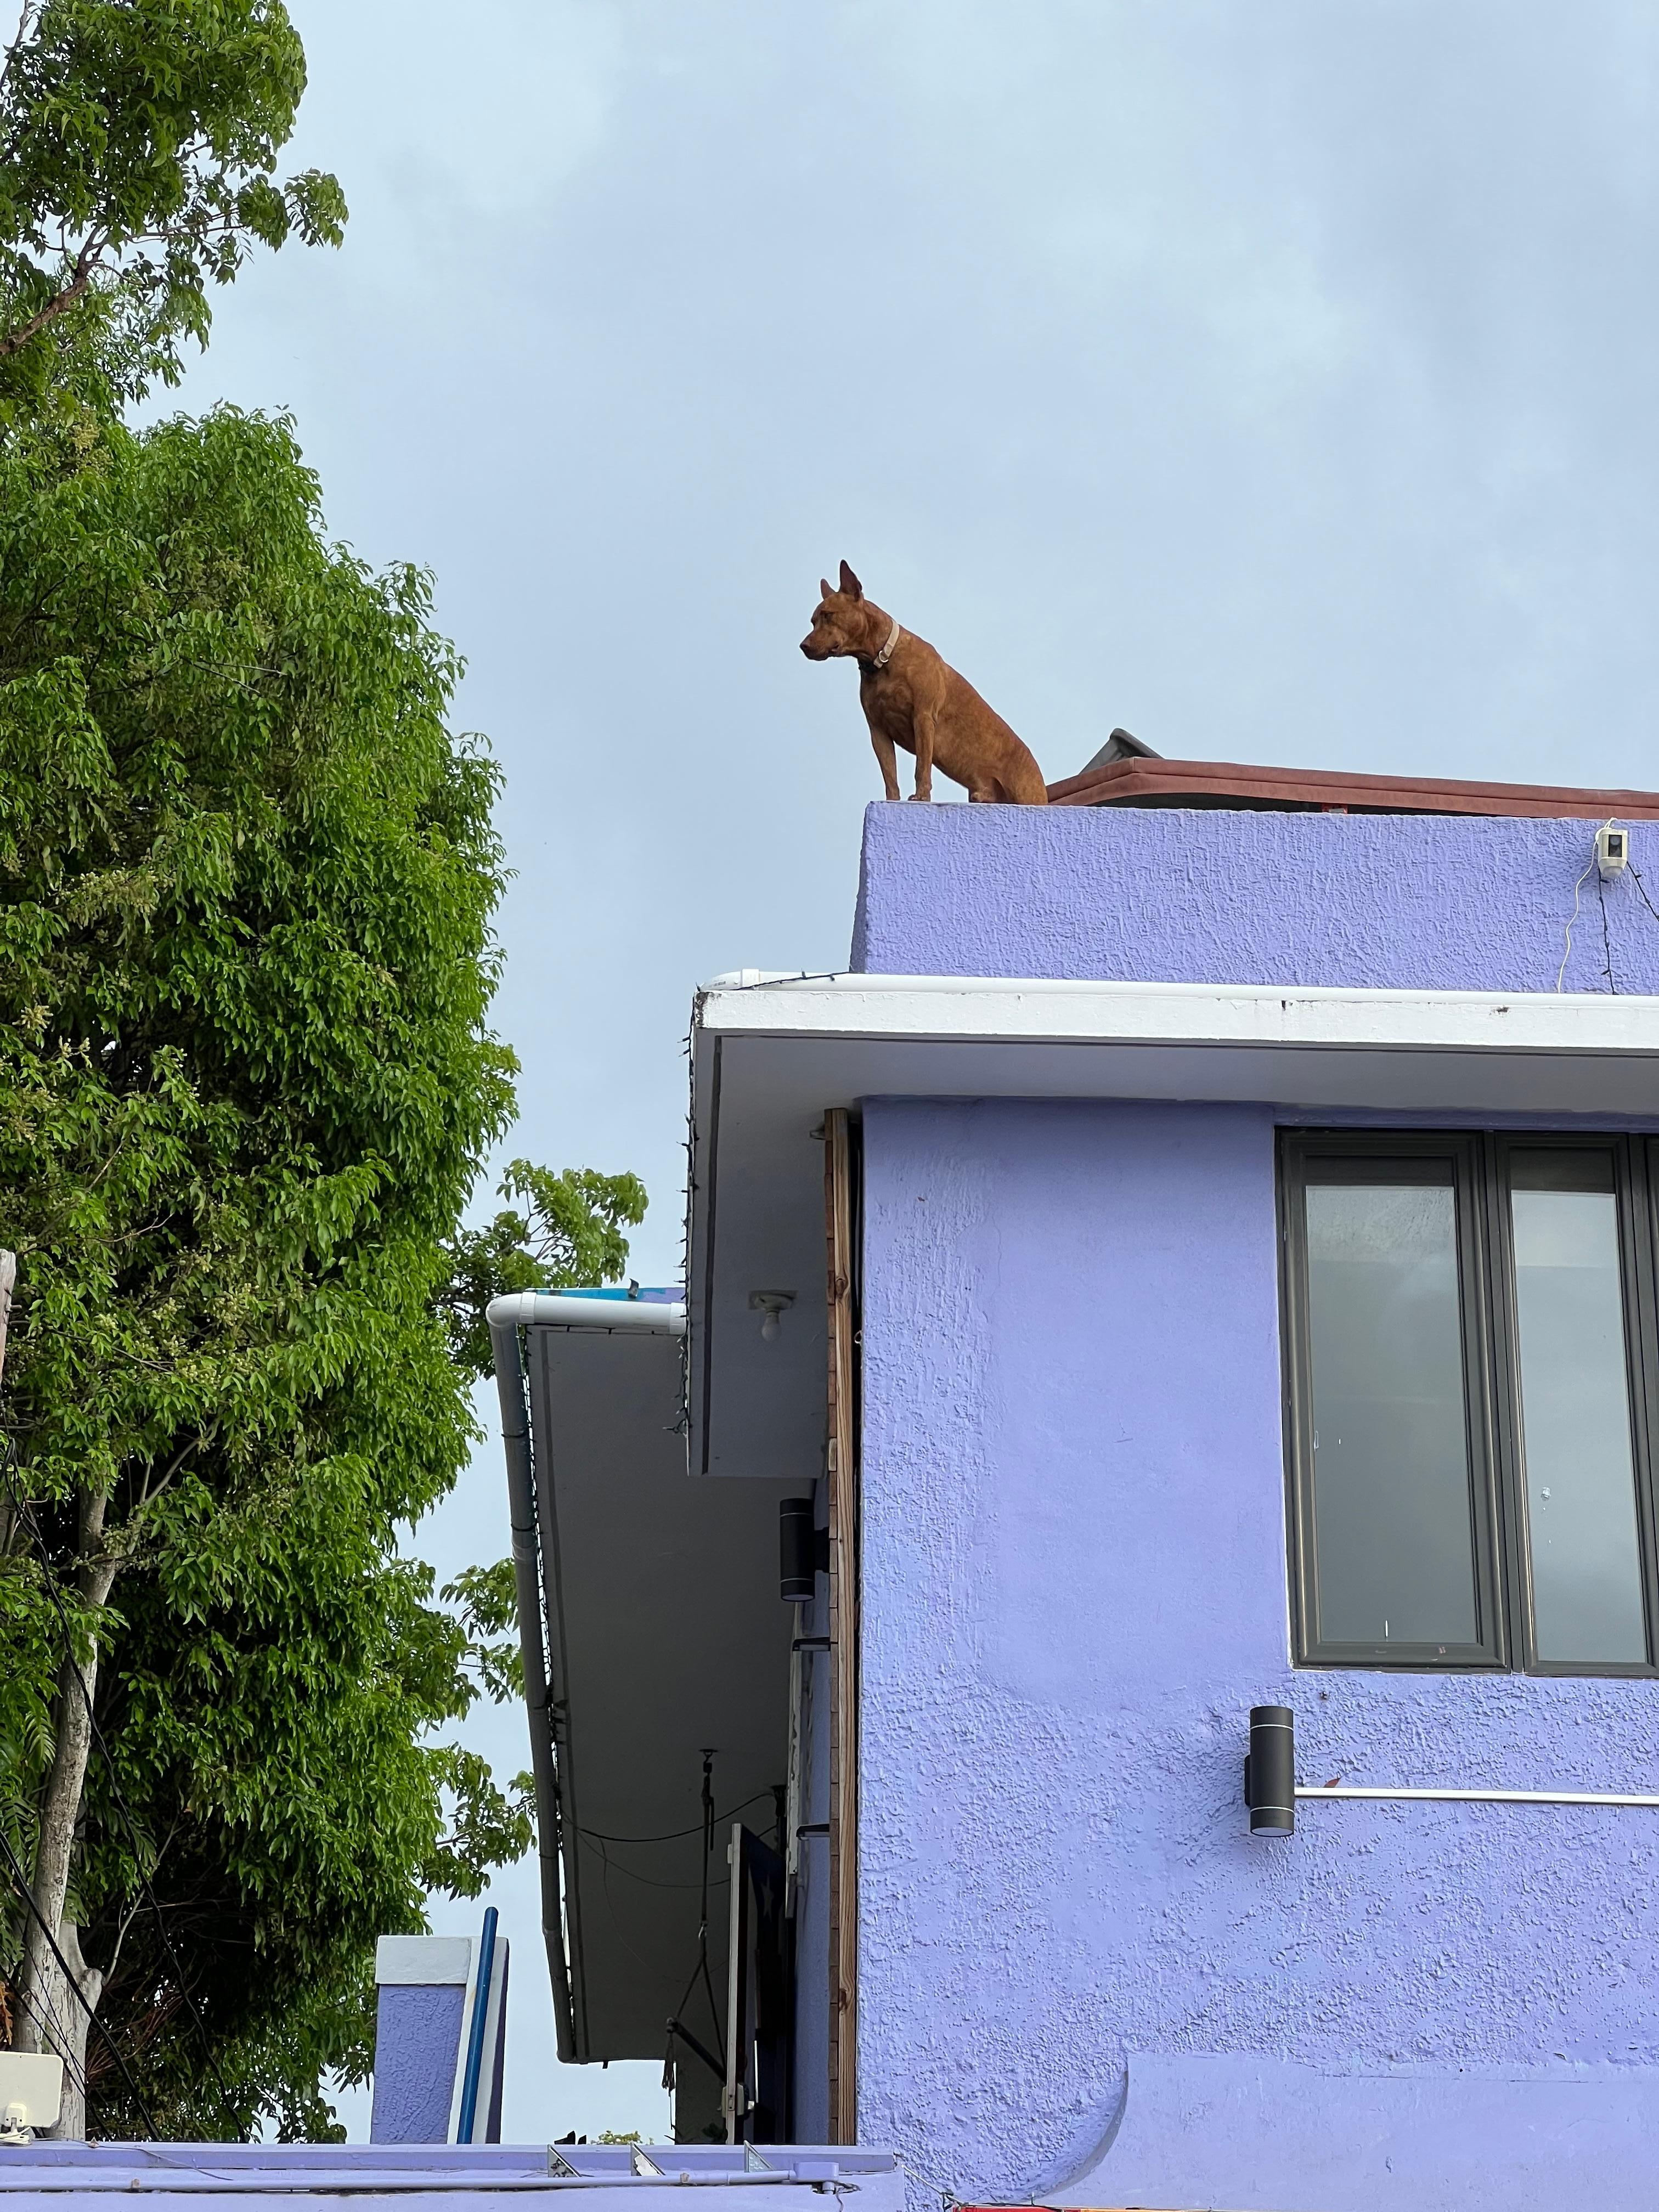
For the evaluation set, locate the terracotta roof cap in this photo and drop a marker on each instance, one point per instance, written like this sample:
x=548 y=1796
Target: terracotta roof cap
x=1148 y=782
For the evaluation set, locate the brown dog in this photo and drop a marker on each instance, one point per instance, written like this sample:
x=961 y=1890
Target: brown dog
x=912 y=698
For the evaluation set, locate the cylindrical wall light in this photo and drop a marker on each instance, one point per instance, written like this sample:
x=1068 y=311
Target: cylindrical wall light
x=1270 y=1772
x=803 y=1550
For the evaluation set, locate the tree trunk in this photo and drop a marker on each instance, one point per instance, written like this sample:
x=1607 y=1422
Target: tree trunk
x=68 y=2022
x=51 y=2017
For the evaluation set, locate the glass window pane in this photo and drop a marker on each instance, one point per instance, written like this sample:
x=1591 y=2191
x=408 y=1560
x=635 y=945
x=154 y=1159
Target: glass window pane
x=1575 y=1416
x=1583 y=1168
x=1392 y=1522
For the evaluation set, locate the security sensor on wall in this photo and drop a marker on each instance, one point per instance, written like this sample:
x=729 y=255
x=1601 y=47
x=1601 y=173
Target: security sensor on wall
x=1612 y=851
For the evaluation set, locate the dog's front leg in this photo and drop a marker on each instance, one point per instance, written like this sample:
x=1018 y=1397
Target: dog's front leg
x=889 y=761
x=921 y=728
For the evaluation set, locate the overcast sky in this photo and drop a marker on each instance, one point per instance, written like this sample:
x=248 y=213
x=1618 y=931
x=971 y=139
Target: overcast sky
x=1274 y=377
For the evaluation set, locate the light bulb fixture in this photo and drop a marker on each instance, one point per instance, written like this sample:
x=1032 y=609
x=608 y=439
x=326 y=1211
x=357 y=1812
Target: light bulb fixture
x=770 y=1305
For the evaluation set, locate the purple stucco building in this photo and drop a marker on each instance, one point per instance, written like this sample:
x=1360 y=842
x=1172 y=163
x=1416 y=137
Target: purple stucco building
x=1076 y=1962
x=1196 y=1260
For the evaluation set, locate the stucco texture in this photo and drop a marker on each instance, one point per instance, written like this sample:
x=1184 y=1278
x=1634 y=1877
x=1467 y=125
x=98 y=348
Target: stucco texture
x=1074 y=1587
x=416 y=2042
x=1417 y=902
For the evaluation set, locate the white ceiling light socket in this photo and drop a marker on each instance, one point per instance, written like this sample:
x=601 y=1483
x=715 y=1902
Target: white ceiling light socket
x=31 y=2093
x=772 y=1304
x=1612 y=851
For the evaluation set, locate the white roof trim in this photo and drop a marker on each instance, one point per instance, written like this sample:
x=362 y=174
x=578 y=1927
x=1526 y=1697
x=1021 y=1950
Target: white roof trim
x=979 y=1008
x=768 y=1055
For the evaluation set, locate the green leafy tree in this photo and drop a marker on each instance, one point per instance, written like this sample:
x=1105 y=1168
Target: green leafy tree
x=246 y=1081
x=138 y=149
x=570 y=1235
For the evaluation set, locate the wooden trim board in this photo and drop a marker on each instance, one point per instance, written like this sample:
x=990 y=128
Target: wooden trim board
x=841 y=1464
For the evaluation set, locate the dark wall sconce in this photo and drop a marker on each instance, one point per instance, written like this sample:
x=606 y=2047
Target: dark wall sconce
x=802 y=1550
x=1270 y=1790
x=1270 y=1770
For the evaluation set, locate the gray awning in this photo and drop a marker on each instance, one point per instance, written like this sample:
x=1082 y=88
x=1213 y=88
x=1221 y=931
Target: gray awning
x=665 y=1636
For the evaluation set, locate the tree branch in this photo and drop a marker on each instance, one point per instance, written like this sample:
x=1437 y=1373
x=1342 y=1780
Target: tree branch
x=31 y=7
x=85 y=263
x=152 y=1491
x=128 y=1917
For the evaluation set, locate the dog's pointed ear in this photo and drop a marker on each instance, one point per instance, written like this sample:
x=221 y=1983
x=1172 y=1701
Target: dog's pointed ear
x=825 y=586
x=850 y=584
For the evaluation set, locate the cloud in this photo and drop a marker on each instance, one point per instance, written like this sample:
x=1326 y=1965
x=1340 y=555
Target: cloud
x=457 y=120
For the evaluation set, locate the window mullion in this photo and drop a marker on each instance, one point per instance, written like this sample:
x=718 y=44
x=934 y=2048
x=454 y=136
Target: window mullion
x=1638 y=1219
x=1482 y=1369
x=1511 y=1578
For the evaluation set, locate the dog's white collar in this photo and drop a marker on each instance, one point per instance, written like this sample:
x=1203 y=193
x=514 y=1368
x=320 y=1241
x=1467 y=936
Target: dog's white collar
x=880 y=660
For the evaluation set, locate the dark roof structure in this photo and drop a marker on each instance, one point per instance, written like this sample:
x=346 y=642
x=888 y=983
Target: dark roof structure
x=1120 y=777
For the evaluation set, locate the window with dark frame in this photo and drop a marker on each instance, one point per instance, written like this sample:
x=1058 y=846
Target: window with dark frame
x=1470 y=1362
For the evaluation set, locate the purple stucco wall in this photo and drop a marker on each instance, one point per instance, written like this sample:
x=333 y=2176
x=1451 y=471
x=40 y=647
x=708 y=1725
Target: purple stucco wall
x=1074 y=1587
x=1074 y=1960
x=418 y=2035
x=1421 y=902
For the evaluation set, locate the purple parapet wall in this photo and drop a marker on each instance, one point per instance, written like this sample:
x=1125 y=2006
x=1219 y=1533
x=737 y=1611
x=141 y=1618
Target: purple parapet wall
x=1075 y=1963
x=425 y=1998
x=1414 y=902
x=422 y=1986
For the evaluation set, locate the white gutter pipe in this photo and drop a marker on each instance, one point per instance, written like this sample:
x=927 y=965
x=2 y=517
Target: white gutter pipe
x=577 y=1310
x=506 y=1316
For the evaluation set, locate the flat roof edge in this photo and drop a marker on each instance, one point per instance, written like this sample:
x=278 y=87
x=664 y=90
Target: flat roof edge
x=925 y=1009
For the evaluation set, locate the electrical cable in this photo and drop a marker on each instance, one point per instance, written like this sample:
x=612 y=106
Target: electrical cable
x=23 y=1890
x=675 y=1835
x=628 y=1874
x=701 y=1968
x=26 y=1514
x=1561 y=973
x=1643 y=889
x=708 y=1856
x=57 y=2041
x=1606 y=936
